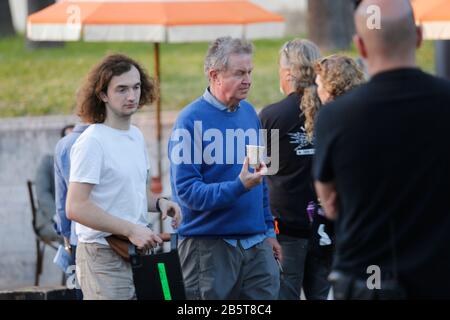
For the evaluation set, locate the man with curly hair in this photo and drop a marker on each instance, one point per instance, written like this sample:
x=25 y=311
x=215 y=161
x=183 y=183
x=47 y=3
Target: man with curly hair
x=109 y=174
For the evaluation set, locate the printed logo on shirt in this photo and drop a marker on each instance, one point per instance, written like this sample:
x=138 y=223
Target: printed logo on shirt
x=304 y=147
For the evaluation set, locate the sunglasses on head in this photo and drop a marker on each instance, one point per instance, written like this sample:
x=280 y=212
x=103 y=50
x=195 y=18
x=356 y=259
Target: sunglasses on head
x=325 y=59
x=287 y=47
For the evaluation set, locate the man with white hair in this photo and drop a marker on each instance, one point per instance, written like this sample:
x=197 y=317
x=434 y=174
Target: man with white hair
x=291 y=188
x=227 y=239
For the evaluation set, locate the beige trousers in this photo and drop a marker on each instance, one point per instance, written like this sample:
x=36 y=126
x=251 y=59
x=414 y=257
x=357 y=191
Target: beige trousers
x=103 y=274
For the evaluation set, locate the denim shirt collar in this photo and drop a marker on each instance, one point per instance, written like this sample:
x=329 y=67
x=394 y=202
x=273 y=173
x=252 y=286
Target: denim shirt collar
x=216 y=103
x=80 y=127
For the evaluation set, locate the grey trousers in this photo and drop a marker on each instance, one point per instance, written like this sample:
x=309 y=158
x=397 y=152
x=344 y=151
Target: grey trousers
x=214 y=270
x=301 y=269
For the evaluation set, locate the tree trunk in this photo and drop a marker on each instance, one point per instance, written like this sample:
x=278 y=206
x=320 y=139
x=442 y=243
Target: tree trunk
x=442 y=58
x=34 y=6
x=6 y=24
x=330 y=23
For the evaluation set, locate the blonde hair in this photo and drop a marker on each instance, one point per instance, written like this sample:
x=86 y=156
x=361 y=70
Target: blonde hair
x=298 y=56
x=339 y=74
x=309 y=105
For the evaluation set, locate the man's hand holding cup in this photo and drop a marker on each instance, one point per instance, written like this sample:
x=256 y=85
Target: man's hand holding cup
x=253 y=159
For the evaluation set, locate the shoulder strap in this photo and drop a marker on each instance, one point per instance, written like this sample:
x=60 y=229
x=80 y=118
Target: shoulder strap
x=173 y=241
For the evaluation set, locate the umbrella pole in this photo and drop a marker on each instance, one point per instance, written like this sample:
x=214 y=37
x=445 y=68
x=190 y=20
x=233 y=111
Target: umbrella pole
x=156 y=186
x=156 y=182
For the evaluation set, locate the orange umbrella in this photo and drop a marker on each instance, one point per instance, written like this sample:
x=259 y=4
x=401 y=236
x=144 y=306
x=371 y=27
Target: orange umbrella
x=434 y=16
x=153 y=21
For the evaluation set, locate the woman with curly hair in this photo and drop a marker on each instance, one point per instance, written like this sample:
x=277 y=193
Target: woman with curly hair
x=335 y=75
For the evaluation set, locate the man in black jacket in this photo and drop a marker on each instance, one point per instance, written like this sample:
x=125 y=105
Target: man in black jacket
x=382 y=167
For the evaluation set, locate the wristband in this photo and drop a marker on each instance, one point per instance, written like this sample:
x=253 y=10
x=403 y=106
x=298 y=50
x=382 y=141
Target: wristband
x=157 y=203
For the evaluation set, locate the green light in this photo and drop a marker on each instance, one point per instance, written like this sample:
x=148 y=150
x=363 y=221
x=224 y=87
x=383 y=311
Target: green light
x=164 y=281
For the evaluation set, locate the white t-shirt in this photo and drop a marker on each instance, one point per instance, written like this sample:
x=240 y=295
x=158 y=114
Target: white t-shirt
x=116 y=162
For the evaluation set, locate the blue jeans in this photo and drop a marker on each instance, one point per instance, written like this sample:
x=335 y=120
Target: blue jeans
x=301 y=269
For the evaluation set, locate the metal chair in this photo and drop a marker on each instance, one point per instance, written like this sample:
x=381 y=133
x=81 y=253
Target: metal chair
x=41 y=243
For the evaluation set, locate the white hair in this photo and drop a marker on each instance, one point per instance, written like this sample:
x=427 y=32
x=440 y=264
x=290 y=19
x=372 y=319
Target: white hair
x=221 y=49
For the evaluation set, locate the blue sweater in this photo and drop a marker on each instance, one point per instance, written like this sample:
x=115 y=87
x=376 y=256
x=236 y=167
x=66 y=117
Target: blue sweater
x=206 y=159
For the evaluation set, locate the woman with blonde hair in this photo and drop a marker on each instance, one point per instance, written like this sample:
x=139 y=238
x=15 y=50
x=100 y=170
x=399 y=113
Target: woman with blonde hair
x=335 y=75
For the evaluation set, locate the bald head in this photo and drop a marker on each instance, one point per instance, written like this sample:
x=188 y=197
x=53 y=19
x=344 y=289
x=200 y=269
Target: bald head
x=395 y=37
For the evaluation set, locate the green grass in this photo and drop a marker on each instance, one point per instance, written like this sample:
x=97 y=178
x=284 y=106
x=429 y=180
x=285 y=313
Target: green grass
x=45 y=81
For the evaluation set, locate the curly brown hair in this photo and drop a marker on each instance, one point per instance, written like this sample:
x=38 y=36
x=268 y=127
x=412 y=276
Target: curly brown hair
x=339 y=74
x=90 y=107
x=309 y=105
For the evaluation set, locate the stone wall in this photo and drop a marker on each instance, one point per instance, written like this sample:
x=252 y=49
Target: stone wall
x=23 y=141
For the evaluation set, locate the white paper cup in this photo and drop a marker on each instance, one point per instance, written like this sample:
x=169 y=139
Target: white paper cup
x=255 y=155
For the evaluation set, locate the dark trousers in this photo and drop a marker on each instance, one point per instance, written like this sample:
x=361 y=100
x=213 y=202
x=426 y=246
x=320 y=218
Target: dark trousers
x=216 y=270
x=301 y=269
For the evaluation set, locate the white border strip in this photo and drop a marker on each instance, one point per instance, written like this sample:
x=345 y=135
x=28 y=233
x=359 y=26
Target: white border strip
x=265 y=30
x=53 y=31
x=439 y=30
x=212 y=32
x=133 y=33
x=195 y=33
